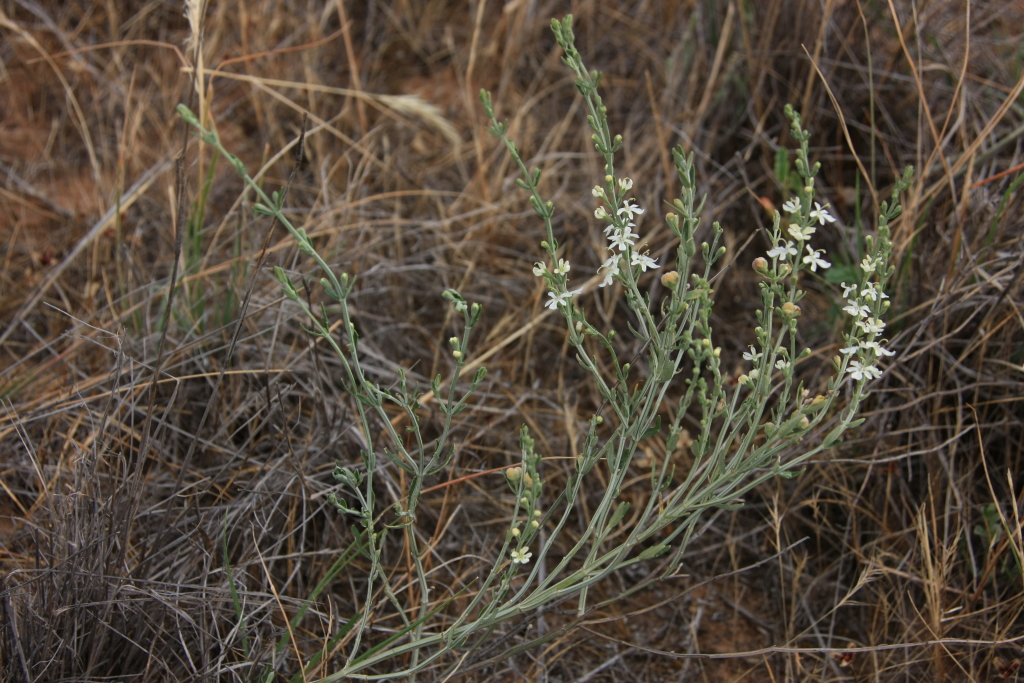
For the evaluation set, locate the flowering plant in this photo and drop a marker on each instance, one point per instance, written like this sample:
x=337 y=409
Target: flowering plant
x=750 y=430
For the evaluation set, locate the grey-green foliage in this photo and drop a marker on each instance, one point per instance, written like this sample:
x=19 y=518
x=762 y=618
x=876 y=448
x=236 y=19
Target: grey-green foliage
x=749 y=431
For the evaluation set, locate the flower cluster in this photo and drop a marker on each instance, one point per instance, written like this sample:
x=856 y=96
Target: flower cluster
x=619 y=232
x=791 y=252
x=785 y=255
x=801 y=228
x=526 y=483
x=864 y=304
x=557 y=280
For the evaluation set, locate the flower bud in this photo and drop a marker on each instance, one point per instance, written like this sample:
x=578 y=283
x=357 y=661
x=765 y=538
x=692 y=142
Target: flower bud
x=761 y=265
x=670 y=279
x=579 y=326
x=457 y=354
x=785 y=269
x=790 y=310
x=515 y=533
x=804 y=422
x=535 y=524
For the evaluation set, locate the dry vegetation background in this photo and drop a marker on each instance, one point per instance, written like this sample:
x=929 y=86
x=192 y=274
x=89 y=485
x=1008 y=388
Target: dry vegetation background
x=121 y=488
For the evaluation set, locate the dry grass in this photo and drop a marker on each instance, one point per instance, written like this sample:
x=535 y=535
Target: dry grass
x=124 y=491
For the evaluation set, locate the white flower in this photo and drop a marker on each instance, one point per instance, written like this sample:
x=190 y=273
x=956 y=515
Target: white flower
x=802 y=234
x=868 y=265
x=815 y=260
x=560 y=299
x=848 y=288
x=859 y=372
x=644 y=261
x=793 y=205
x=620 y=240
x=600 y=213
x=598 y=192
x=783 y=252
x=539 y=269
x=877 y=348
x=521 y=556
x=872 y=326
x=850 y=349
x=872 y=291
x=612 y=269
x=857 y=310
x=629 y=210
x=781 y=364
x=753 y=356
x=625 y=184
x=821 y=215
x=562 y=268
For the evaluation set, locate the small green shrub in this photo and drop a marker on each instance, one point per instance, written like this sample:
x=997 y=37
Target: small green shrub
x=750 y=431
